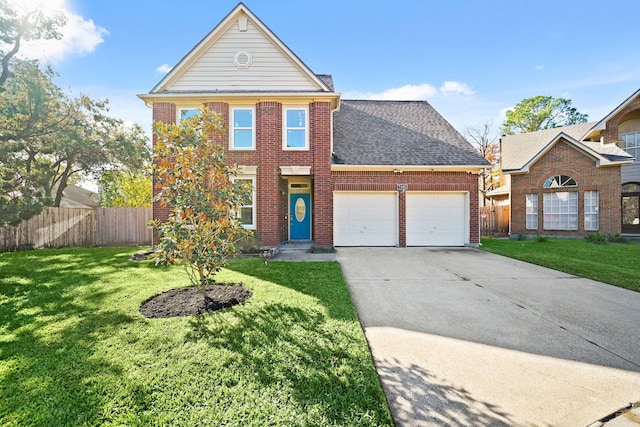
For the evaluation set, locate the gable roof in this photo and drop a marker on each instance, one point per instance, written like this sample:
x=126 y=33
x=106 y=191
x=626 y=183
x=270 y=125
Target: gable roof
x=398 y=133
x=602 y=124
x=267 y=63
x=518 y=152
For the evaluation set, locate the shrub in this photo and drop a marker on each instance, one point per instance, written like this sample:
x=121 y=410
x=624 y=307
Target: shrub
x=617 y=238
x=596 y=238
x=541 y=238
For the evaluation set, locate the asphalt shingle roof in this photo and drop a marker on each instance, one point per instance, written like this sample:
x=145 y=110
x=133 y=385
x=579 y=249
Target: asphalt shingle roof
x=518 y=150
x=398 y=133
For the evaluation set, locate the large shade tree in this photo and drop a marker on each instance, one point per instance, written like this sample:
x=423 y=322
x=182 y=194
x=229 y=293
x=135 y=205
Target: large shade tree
x=541 y=112
x=21 y=24
x=49 y=139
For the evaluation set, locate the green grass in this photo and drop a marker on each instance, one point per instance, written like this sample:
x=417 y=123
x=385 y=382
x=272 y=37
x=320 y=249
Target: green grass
x=614 y=263
x=75 y=350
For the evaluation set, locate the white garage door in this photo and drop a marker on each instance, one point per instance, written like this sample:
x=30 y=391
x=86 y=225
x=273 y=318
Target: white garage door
x=437 y=219
x=365 y=219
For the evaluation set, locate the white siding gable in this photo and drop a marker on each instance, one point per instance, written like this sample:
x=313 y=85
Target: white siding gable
x=210 y=66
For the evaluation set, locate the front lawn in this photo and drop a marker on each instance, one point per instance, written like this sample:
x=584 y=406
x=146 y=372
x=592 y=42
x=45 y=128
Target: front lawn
x=614 y=263
x=75 y=349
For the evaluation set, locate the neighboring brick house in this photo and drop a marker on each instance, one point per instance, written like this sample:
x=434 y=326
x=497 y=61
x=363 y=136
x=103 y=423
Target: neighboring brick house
x=337 y=172
x=567 y=181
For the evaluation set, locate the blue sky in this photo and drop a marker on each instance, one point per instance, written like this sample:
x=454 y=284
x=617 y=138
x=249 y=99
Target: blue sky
x=470 y=59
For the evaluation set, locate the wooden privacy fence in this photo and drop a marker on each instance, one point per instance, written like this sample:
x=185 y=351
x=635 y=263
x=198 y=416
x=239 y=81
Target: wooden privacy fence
x=494 y=220
x=68 y=227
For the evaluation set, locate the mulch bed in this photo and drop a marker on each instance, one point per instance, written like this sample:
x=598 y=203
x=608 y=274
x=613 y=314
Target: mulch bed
x=194 y=300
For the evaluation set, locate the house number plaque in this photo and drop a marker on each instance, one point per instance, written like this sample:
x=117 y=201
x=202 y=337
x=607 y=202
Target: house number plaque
x=301 y=209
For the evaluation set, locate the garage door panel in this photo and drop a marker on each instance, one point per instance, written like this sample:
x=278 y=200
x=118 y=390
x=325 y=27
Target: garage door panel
x=436 y=219
x=365 y=219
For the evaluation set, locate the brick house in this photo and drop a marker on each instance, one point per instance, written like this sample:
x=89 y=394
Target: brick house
x=578 y=179
x=337 y=172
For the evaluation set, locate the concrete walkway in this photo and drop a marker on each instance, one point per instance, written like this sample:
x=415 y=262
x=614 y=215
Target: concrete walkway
x=461 y=337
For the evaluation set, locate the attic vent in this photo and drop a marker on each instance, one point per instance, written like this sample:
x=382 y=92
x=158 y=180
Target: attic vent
x=242 y=23
x=242 y=59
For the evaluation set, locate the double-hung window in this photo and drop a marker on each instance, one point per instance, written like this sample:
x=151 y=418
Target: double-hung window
x=187 y=113
x=246 y=213
x=296 y=128
x=630 y=142
x=591 y=210
x=242 y=134
x=532 y=212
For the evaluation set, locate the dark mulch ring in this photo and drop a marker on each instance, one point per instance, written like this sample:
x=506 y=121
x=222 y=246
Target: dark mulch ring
x=194 y=300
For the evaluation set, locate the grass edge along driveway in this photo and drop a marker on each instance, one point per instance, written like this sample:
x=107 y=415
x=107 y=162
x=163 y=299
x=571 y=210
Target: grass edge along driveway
x=614 y=263
x=75 y=350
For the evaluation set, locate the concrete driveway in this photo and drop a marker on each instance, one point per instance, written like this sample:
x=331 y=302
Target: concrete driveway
x=462 y=337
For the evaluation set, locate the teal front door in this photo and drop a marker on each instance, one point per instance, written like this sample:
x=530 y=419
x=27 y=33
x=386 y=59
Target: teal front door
x=300 y=217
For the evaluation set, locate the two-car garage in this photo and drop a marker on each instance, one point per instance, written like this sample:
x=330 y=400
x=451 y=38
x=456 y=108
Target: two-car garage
x=362 y=218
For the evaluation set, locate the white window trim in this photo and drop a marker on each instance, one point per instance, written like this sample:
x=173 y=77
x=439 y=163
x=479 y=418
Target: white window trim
x=634 y=151
x=179 y=111
x=548 y=225
x=595 y=213
x=232 y=128
x=533 y=197
x=251 y=177
x=306 y=127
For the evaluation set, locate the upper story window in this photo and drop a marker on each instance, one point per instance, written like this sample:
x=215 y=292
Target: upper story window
x=560 y=181
x=187 y=113
x=630 y=142
x=242 y=132
x=296 y=129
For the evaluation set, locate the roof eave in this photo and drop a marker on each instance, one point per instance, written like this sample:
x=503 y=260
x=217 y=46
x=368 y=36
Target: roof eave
x=602 y=124
x=409 y=168
x=150 y=98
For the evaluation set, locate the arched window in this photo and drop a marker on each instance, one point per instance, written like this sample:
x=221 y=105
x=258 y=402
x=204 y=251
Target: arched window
x=631 y=187
x=560 y=208
x=560 y=181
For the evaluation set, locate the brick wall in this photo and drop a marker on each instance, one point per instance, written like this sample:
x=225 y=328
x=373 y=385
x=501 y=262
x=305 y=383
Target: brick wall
x=320 y=137
x=564 y=159
x=162 y=112
x=610 y=134
x=416 y=181
x=272 y=193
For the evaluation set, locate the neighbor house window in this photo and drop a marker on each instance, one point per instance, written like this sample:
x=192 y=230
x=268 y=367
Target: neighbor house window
x=591 y=210
x=560 y=210
x=559 y=181
x=187 y=113
x=532 y=212
x=243 y=136
x=247 y=213
x=296 y=134
x=630 y=142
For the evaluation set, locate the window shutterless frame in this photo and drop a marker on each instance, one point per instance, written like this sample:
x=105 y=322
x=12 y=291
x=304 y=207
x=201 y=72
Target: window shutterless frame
x=247 y=212
x=184 y=113
x=242 y=130
x=295 y=123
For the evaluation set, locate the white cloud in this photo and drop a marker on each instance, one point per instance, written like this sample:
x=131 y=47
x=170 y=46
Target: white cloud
x=407 y=92
x=411 y=92
x=79 y=35
x=453 y=88
x=164 y=68
x=539 y=67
